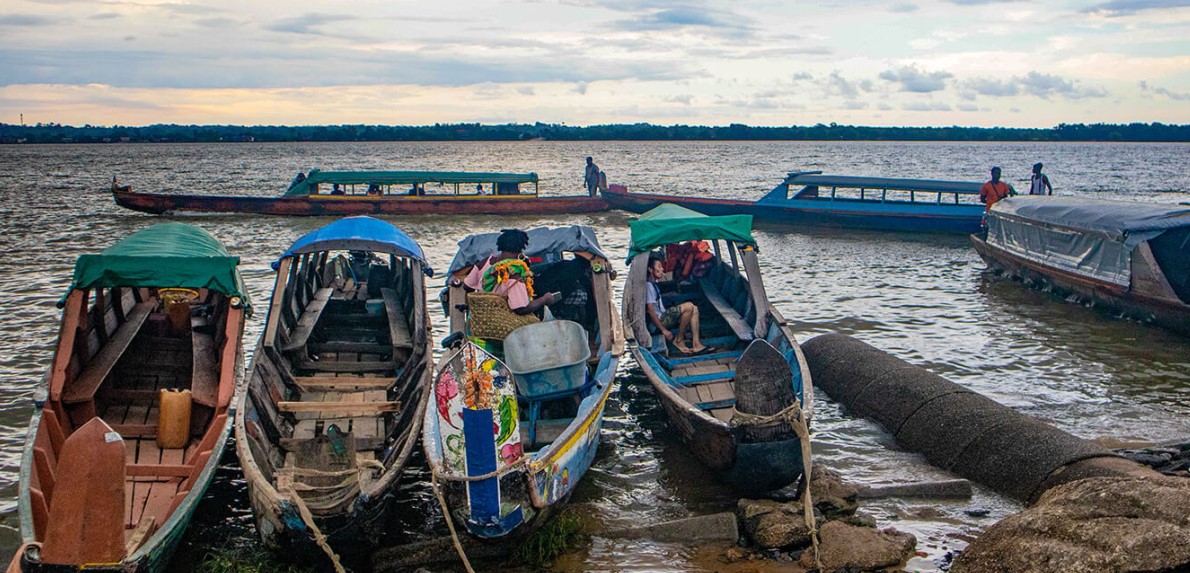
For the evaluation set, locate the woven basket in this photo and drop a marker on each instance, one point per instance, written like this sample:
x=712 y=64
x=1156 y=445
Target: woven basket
x=491 y=318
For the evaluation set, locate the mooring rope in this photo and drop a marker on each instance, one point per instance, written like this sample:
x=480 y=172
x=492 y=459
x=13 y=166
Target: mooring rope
x=797 y=422
x=454 y=536
x=308 y=519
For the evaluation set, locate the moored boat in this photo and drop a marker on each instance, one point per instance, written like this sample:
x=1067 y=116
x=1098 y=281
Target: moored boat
x=336 y=387
x=132 y=416
x=727 y=404
x=517 y=414
x=1126 y=256
x=377 y=193
x=813 y=199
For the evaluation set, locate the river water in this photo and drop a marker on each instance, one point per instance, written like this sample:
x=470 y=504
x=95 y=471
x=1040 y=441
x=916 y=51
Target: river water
x=925 y=299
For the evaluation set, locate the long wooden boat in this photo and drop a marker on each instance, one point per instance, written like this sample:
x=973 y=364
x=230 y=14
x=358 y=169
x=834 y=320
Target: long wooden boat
x=536 y=441
x=115 y=462
x=321 y=193
x=1128 y=257
x=336 y=387
x=756 y=369
x=878 y=203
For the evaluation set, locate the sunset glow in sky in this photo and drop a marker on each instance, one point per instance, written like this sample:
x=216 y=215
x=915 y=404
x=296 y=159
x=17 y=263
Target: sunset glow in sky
x=581 y=62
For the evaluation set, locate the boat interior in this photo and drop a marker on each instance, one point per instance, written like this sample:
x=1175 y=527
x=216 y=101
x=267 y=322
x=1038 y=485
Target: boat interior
x=343 y=357
x=120 y=349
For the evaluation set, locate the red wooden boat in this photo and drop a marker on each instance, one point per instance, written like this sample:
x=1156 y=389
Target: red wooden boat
x=376 y=193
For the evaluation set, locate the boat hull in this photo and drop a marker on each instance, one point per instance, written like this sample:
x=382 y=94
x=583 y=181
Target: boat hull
x=816 y=213
x=1126 y=301
x=328 y=205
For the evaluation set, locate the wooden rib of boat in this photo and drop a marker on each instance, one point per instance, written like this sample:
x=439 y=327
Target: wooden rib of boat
x=878 y=203
x=538 y=441
x=336 y=386
x=756 y=365
x=342 y=193
x=1128 y=257
x=114 y=465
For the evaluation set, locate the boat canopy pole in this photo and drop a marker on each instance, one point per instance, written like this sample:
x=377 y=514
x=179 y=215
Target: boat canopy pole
x=760 y=299
x=731 y=249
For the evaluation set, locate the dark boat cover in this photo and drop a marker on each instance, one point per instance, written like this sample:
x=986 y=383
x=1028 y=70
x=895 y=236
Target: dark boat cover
x=548 y=243
x=1089 y=237
x=358 y=234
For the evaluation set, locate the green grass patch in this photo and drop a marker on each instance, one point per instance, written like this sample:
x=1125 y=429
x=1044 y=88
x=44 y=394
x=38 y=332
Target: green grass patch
x=246 y=560
x=561 y=535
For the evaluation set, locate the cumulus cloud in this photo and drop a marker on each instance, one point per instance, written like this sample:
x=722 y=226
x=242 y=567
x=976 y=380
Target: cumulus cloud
x=684 y=99
x=27 y=20
x=925 y=106
x=307 y=23
x=915 y=80
x=581 y=88
x=669 y=17
x=903 y=8
x=1180 y=96
x=1115 y=8
x=526 y=90
x=1034 y=83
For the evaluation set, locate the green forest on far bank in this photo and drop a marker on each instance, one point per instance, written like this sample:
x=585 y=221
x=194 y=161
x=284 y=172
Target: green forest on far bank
x=56 y=133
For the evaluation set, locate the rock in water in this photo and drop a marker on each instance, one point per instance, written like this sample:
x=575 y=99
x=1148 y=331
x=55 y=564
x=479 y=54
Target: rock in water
x=843 y=546
x=763 y=387
x=772 y=524
x=1116 y=524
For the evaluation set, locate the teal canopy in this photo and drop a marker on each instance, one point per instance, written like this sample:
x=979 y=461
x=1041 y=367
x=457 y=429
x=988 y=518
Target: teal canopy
x=668 y=223
x=165 y=255
x=306 y=186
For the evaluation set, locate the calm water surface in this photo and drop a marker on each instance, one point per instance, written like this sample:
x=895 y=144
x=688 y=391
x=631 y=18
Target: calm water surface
x=925 y=299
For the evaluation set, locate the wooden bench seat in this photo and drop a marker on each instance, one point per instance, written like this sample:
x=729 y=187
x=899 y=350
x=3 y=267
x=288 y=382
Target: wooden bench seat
x=97 y=370
x=369 y=431
x=204 y=377
x=324 y=405
x=309 y=319
x=398 y=325
x=734 y=321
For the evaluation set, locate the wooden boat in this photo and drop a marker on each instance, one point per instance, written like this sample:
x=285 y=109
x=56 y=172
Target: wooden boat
x=545 y=435
x=757 y=369
x=336 y=387
x=115 y=463
x=1126 y=256
x=878 y=203
x=377 y=193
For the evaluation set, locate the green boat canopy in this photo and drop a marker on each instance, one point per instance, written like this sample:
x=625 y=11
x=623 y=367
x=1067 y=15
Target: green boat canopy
x=165 y=255
x=315 y=176
x=668 y=223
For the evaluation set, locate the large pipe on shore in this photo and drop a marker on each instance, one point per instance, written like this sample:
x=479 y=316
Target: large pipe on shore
x=956 y=429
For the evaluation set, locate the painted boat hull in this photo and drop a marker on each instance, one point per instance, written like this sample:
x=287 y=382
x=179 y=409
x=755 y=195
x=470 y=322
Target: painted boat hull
x=1131 y=302
x=327 y=205
x=817 y=213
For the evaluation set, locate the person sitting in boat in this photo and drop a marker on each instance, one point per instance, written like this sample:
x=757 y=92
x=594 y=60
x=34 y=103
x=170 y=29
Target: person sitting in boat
x=689 y=261
x=336 y=189
x=373 y=189
x=506 y=273
x=671 y=322
x=479 y=189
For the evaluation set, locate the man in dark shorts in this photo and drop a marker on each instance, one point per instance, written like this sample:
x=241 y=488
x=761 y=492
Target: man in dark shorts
x=672 y=322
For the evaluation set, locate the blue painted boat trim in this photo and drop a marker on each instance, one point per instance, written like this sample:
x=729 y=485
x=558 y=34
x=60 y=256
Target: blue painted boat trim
x=695 y=379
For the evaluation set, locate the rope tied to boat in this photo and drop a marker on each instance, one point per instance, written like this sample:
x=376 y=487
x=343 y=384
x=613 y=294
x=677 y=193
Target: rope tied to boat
x=308 y=519
x=454 y=536
x=335 y=494
x=796 y=419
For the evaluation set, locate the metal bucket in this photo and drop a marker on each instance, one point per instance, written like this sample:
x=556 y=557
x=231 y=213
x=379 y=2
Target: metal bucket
x=547 y=357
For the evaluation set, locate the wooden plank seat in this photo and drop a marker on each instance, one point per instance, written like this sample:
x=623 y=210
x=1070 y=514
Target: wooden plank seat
x=733 y=319
x=204 y=379
x=348 y=366
x=343 y=383
x=398 y=325
x=547 y=431
x=97 y=370
x=369 y=432
x=324 y=405
x=309 y=319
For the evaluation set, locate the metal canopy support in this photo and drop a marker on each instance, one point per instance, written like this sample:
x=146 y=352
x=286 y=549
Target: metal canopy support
x=759 y=298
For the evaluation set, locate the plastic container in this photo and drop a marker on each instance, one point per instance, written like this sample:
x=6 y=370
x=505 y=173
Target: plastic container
x=374 y=307
x=173 y=419
x=547 y=357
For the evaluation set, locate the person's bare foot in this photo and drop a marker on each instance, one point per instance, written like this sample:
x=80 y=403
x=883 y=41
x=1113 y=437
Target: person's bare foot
x=683 y=348
x=698 y=348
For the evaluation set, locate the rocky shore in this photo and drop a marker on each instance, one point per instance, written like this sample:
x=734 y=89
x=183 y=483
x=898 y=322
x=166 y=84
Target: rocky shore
x=1171 y=460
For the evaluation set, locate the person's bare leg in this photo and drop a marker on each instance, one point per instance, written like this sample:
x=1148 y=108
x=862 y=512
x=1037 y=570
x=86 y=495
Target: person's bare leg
x=695 y=338
x=680 y=331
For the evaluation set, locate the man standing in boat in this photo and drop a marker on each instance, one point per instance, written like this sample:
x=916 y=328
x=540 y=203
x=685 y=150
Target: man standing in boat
x=1039 y=184
x=994 y=190
x=591 y=177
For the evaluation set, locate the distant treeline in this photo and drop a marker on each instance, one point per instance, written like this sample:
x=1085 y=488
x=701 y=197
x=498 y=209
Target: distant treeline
x=56 y=133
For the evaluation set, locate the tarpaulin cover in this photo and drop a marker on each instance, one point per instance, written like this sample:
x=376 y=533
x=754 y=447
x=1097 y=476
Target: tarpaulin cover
x=548 y=243
x=1088 y=237
x=358 y=234
x=163 y=256
x=668 y=223
x=305 y=187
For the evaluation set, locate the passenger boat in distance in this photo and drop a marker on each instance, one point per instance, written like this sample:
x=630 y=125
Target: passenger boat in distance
x=132 y=416
x=1126 y=256
x=877 y=203
x=321 y=193
x=755 y=370
x=523 y=408
x=336 y=387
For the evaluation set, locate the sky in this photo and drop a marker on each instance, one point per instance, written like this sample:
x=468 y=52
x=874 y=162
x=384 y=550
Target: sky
x=586 y=62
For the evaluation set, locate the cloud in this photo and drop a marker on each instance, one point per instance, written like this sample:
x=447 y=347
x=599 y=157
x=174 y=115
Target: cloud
x=217 y=23
x=992 y=87
x=307 y=23
x=581 y=88
x=903 y=8
x=837 y=84
x=526 y=90
x=1180 y=96
x=967 y=107
x=26 y=20
x=683 y=17
x=925 y=106
x=684 y=99
x=802 y=76
x=1036 y=84
x=979 y=2
x=104 y=16
x=1116 y=8
x=915 y=80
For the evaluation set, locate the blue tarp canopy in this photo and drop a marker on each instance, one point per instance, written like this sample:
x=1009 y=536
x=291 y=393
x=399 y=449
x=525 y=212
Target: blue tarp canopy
x=1089 y=237
x=548 y=243
x=358 y=234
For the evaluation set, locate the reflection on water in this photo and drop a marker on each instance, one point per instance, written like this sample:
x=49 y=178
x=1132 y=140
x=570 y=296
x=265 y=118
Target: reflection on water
x=925 y=299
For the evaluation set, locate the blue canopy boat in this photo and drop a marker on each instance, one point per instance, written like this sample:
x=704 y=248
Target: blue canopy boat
x=522 y=407
x=757 y=369
x=337 y=386
x=879 y=203
x=1127 y=256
